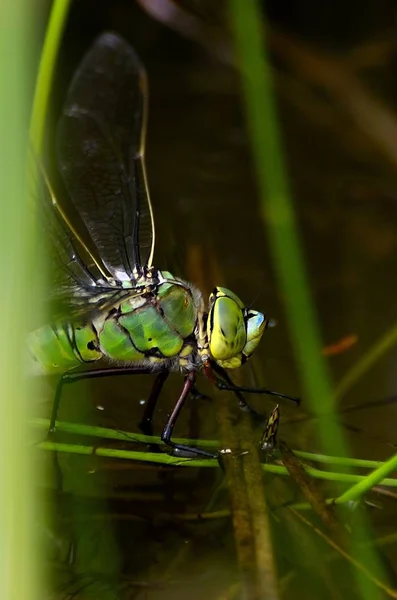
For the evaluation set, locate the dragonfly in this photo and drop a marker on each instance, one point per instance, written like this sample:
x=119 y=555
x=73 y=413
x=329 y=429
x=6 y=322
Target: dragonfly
x=109 y=300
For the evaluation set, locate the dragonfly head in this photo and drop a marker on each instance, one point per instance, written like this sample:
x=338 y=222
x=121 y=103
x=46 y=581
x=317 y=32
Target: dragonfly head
x=233 y=330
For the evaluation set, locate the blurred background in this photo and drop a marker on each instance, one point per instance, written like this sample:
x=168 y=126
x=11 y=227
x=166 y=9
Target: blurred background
x=133 y=530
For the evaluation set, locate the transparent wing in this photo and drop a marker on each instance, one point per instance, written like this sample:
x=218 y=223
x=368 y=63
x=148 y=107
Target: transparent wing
x=79 y=285
x=101 y=137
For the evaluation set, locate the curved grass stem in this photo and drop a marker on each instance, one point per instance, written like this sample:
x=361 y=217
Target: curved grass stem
x=55 y=27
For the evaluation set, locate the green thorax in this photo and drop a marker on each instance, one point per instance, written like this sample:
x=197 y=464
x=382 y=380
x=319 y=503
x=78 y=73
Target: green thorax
x=156 y=326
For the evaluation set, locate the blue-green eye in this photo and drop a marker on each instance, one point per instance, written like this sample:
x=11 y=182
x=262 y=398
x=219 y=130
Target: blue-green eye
x=225 y=326
x=256 y=323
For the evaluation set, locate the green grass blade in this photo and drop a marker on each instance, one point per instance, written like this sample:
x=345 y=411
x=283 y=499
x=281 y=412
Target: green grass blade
x=20 y=577
x=365 y=363
x=279 y=217
x=374 y=478
x=167 y=459
x=280 y=222
x=128 y=436
x=56 y=24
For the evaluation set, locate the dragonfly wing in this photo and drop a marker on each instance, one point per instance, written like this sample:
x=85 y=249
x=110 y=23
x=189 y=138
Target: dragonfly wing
x=79 y=283
x=101 y=137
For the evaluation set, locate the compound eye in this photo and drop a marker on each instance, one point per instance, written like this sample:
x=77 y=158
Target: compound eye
x=256 y=324
x=226 y=328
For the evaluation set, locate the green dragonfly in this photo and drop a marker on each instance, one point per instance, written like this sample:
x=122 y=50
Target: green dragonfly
x=110 y=302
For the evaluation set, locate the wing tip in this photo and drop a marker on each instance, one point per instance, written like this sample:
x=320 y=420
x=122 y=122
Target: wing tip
x=111 y=39
x=114 y=41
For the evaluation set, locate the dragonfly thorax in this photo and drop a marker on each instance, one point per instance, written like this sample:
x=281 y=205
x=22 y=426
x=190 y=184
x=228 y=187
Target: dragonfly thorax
x=155 y=325
x=143 y=279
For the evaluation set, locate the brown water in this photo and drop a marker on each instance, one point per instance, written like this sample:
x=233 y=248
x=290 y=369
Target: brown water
x=120 y=524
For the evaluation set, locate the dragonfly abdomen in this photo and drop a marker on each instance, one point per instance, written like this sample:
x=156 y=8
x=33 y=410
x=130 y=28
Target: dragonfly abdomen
x=59 y=348
x=146 y=329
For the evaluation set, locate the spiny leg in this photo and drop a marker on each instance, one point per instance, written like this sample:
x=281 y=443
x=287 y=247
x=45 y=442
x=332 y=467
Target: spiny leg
x=68 y=378
x=237 y=392
x=182 y=449
x=146 y=423
x=229 y=386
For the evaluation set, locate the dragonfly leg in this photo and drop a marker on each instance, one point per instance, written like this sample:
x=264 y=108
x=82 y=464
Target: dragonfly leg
x=182 y=449
x=228 y=385
x=146 y=423
x=68 y=378
x=235 y=389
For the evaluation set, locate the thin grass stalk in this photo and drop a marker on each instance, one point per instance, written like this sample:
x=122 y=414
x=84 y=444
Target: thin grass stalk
x=365 y=363
x=167 y=459
x=140 y=438
x=279 y=220
x=55 y=27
